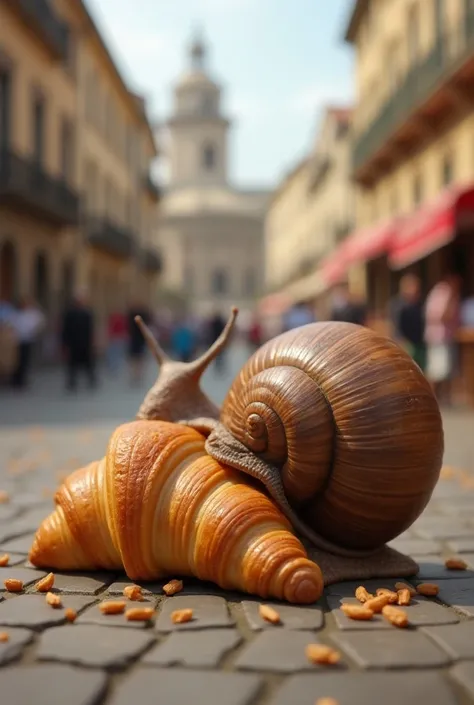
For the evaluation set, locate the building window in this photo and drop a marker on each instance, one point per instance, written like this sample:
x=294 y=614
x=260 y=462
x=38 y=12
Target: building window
x=439 y=18
x=189 y=281
x=208 y=157
x=207 y=105
x=67 y=150
x=447 y=170
x=219 y=282
x=5 y=107
x=39 y=117
x=71 y=56
x=417 y=190
x=91 y=93
x=413 y=34
x=250 y=283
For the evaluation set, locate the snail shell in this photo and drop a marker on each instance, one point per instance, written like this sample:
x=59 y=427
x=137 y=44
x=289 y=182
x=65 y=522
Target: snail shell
x=351 y=424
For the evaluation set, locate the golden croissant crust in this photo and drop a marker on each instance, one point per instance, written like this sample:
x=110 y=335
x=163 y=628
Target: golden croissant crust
x=158 y=505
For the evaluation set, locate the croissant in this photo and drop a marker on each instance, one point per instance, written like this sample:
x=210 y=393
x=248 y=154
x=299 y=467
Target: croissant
x=158 y=505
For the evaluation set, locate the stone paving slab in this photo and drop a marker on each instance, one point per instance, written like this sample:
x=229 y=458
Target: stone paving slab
x=227 y=655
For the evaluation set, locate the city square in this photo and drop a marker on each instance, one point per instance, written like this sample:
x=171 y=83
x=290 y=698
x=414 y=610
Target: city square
x=227 y=654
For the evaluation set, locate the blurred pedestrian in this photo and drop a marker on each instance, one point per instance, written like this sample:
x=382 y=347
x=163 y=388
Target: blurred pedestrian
x=28 y=322
x=136 y=341
x=215 y=327
x=407 y=317
x=348 y=307
x=78 y=342
x=183 y=340
x=255 y=333
x=8 y=341
x=299 y=315
x=442 y=316
x=117 y=334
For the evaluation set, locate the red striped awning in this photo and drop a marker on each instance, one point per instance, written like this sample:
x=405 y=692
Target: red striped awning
x=432 y=226
x=361 y=246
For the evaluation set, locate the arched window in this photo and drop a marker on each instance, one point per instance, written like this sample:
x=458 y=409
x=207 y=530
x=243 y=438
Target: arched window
x=41 y=281
x=209 y=157
x=8 y=272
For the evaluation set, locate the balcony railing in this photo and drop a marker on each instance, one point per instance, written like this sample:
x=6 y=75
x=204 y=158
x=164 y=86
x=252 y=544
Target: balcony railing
x=150 y=260
x=109 y=237
x=448 y=54
x=25 y=184
x=47 y=25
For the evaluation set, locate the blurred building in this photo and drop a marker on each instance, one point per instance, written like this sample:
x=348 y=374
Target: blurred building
x=413 y=154
x=77 y=202
x=309 y=215
x=211 y=234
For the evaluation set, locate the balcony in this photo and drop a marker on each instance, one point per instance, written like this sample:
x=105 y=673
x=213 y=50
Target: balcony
x=26 y=186
x=113 y=239
x=150 y=260
x=152 y=188
x=40 y=17
x=431 y=93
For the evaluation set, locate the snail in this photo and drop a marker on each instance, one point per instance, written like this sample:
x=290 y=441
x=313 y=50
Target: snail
x=333 y=422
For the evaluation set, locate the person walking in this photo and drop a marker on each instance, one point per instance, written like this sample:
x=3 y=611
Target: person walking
x=215 y=327
x=407 y=318
x=117 y=334
x=136 y=341
x=442 y=316
x=348 y=308
x=183 y=340
x=28 y=321
x=299 y=315
x=77 y=337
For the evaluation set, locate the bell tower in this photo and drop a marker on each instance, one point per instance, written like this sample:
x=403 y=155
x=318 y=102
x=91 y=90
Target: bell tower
x=197 y=129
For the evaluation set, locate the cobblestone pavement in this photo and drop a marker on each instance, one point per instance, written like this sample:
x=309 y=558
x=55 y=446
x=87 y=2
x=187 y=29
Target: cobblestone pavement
x=227 y=655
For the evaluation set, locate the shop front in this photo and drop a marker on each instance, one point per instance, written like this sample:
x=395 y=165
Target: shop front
x=436 y=240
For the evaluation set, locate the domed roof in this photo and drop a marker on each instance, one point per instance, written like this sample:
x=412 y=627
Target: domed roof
x=196 y=76
x=193 y=79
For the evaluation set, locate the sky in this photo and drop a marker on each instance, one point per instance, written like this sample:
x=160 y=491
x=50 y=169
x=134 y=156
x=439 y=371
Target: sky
x=279 y=62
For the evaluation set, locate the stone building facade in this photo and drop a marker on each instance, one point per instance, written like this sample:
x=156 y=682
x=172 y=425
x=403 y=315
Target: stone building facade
x=77 y=204
x=413 y=146
x=310 y=213
x=211 y=234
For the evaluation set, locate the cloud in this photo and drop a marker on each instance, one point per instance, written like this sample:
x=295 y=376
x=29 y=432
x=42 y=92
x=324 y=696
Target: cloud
x=311 y=98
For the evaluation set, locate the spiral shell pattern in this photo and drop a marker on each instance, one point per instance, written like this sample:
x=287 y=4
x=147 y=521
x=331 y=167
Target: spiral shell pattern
x=352 y=424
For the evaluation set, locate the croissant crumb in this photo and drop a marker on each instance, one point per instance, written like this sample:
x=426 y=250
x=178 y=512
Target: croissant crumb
x=112 y=607
x=376 y=604
x=360 y=612
x=393 y=596
x=395 y=616
x=4 y=637
x=173 y=587
x=4 y=497
x=70 y=614
x=455 y=564
x=404 y=597
x=362 y=594
x=46 y=583
x=269 y=614
x=4 y=560
x=326 y=701
x=427 y=589
x=13 y=585
x=133 y=592
x=319 y=653
x=139 y=614
x=405 y=586
x=182 y=616
x=53 y=599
